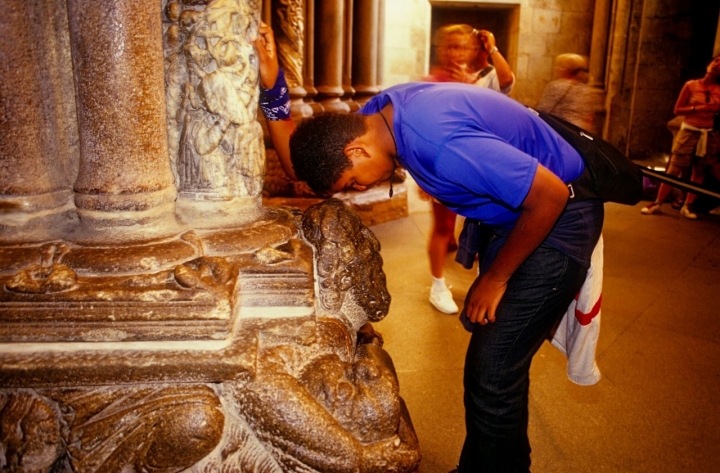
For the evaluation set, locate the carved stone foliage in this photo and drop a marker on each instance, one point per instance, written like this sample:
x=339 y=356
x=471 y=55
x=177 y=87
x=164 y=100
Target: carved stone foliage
x=215 y=143
x=289 y=25
x=143 y=428
x=186 y=287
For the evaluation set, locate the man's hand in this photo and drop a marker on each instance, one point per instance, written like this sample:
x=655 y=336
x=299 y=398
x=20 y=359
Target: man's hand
x=267 y=55
x=483 y=298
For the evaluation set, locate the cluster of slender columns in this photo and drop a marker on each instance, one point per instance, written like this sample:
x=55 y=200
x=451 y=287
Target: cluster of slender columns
x=98 y=149
x=84 y=130
x=330 y=51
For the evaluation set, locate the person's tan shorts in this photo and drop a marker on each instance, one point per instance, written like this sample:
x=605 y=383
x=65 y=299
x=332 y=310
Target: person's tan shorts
x=684 y=144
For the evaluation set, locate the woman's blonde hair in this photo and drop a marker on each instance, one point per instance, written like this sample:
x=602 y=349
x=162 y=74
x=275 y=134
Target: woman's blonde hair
x=444 y=31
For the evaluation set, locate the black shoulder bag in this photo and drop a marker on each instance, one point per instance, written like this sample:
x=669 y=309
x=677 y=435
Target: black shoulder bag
x=613 y=176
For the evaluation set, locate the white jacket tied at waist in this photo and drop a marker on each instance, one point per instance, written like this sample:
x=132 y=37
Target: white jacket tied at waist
x=578 y=332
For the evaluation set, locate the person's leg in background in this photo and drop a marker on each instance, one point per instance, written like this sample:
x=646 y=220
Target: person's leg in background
x=698 y=177
x=683 y=149
x=701 y=165
x=714 y=161
x=498 y=361
x=441 y=237
x=664 y=189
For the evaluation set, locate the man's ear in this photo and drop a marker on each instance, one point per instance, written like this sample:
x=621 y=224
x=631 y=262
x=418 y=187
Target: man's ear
x=355 y=150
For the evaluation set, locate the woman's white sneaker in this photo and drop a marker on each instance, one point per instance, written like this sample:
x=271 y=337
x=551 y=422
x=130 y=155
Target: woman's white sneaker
x=443 y=301
x=687 y=213
x=653 y=208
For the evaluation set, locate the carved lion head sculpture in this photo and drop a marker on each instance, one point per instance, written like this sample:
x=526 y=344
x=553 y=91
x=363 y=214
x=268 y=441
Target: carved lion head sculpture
x=349 y=265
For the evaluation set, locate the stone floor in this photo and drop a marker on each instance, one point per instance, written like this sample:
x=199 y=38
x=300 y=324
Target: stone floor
x=657 y=407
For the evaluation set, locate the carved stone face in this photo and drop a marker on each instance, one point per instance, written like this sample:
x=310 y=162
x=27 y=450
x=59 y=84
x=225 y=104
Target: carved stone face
x=348 y=260
x=362 y=396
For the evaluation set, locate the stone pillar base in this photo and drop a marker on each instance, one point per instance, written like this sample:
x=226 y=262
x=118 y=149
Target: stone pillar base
x=218 y=213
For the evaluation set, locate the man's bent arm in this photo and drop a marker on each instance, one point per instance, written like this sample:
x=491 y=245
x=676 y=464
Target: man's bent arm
x=539 y=211
x=280 y=131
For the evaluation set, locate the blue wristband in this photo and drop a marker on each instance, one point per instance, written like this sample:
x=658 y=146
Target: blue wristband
x=275 y=102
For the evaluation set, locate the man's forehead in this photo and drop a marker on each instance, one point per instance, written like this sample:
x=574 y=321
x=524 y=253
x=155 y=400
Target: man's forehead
x=343 y=183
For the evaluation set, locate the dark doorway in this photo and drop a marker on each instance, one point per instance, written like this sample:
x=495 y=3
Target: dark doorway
x=704 y=28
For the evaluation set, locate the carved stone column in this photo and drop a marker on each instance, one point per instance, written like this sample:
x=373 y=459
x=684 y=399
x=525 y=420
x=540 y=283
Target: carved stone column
x=365 y=49
x=217 y=150
x=206 y=344
x=38 y=150
x=330 y=16
x=289 y=26
x=124 y=177
x=716 y=47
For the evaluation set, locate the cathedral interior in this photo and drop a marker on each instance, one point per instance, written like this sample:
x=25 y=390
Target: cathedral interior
x=172 y=302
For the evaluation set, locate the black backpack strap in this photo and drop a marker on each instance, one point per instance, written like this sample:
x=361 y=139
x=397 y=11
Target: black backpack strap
x=485 y=71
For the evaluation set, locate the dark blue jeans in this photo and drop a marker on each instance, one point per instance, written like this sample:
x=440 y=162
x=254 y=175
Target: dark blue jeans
x=498 y=359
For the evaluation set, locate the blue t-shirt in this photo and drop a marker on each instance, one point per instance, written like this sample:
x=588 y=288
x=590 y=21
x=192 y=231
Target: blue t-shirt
x=473 y=149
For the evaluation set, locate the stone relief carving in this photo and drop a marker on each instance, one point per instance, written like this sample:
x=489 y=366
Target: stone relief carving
x=48 y=276
x=289 y=27
x=349 y=265
x=333 y=415
x=311 y=394
x=243 y=347
x=336 y=401
x=215 y=143
x=31 y=432
x=142 y=428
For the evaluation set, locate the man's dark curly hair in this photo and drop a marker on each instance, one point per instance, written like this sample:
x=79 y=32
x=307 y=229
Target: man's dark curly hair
x=316 y=148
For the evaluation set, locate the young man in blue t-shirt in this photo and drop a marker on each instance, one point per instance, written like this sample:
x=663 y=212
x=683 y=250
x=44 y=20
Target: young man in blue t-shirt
x=491 y=160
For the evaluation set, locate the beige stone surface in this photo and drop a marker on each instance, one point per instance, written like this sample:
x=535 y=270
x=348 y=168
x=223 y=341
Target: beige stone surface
x=546 y=21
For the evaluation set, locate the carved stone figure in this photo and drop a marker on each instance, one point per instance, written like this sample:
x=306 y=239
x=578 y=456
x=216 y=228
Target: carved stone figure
x=349 y=264
x=31 y=431
x=211 y=86
x=143 y=428
x=337 y=404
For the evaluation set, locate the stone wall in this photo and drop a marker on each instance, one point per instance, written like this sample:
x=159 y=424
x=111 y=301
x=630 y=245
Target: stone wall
x=407 y=41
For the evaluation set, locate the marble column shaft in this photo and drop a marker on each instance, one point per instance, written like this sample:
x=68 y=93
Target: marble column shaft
x=599 y=42
x=288 y=23
x=38 y=154
x=125 y=175
x=330 y=18
x=380 y=43
x=365 y=49
x=347 y=75
x=309 y=62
